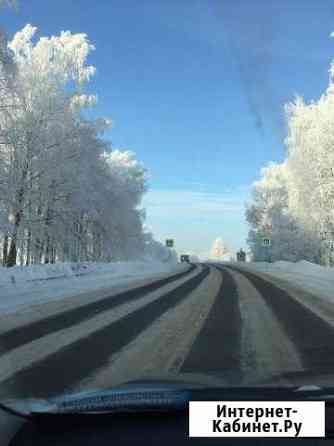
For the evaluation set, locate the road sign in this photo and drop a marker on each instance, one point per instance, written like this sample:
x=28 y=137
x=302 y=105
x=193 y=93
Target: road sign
x=169 y=243
x=266 y=242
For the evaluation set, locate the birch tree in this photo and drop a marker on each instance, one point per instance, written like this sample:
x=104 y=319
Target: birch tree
x=297 y=197
x=219 y=250
x=64 y=193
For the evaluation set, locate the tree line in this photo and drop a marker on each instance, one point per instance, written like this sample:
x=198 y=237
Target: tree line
x=293 y=202
x=65 y=195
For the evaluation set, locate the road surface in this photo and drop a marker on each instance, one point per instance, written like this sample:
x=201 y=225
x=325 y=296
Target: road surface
x=223 y=320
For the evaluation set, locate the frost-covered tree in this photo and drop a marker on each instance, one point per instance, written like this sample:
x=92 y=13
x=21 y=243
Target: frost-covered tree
x=40 y=129
x=310 y=162
x=219 y=250
x=301 y=213
x=156 y=250
x=64 y=194
x=126 y=186
x=269 y=216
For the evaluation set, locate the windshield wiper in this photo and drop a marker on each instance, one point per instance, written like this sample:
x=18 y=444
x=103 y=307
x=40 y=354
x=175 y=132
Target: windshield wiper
x=119 y=400
x=141 y=397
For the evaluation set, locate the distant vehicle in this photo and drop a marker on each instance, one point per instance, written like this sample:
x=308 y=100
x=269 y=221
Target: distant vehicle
x=241 y=256
x=185 y=258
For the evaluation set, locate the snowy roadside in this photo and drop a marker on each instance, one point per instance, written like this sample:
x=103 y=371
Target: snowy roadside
x=312 y=278
x=24 y=287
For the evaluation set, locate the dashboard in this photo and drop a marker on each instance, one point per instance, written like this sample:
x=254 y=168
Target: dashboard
x=130 y=429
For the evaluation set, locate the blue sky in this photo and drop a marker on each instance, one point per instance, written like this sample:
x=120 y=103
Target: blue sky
x=197 y=89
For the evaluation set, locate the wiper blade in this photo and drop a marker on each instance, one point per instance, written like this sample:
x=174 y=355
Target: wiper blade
x=108 y=401
x=160 y=398
x=124 y=401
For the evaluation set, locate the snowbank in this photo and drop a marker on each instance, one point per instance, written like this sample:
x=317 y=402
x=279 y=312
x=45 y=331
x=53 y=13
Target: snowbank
x=316 y=279
x=23 y=274
x=28 y=285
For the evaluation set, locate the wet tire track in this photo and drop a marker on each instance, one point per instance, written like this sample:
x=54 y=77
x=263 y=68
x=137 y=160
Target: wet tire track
x=62 y=370
x=312 y=336
x=217 y=348
x=29 y=332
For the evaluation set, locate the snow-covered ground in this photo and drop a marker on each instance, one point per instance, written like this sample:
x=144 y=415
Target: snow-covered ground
x=316 y=279
x=22 y=287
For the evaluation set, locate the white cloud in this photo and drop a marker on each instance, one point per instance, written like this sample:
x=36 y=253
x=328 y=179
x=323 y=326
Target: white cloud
x=195 y=218
x=192 y=203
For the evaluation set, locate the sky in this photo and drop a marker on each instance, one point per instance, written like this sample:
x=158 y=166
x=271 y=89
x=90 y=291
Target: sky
x=196 y=88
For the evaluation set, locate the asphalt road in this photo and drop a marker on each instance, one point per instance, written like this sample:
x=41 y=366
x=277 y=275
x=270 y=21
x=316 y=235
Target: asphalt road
x=223 y=321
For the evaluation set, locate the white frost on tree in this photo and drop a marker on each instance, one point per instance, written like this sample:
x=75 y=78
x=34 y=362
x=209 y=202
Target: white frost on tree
x=219 y=250
x=269 y=217
x=296 y=199
x=64 y=194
